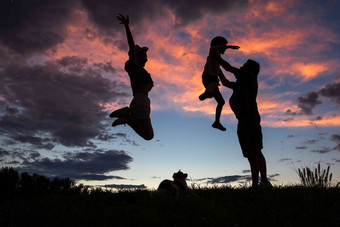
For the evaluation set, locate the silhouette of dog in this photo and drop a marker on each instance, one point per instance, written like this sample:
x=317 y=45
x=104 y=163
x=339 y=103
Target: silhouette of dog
x=177 y=187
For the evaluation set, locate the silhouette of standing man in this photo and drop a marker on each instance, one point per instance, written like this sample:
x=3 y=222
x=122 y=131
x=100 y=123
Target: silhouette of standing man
x=137 y=115
x=244 y=105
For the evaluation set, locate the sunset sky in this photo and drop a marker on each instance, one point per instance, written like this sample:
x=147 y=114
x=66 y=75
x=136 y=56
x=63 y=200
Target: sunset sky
x=62 y=73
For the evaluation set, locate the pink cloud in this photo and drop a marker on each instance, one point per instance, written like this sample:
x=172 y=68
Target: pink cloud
x=177 y=54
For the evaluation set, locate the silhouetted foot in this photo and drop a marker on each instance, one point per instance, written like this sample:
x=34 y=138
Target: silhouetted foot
x=266 y=184
x=218 y=126
x=206 y=95
x=120 y=113
x=119 y=121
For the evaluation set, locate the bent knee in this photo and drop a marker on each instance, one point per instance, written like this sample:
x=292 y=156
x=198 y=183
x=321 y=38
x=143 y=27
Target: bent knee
x=148 y=136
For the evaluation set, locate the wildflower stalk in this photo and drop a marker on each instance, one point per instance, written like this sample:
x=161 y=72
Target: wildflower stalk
x=318 y=178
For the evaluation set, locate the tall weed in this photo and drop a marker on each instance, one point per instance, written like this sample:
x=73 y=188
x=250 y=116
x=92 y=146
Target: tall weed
x=318 y=178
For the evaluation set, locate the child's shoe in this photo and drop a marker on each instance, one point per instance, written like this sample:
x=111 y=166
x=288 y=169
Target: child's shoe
x=120 y=113
x=206 y=95
x=219 y=126
x=119 y=121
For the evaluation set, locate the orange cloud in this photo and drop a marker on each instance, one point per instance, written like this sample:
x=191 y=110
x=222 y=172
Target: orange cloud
x=176 y=64
x=310 y=70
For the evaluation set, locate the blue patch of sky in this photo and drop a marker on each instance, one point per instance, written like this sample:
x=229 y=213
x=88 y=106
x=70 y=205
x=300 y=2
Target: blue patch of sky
x=167 y=57
x=184 y=36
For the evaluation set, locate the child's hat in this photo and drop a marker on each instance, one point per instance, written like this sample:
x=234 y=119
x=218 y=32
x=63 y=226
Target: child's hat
x=218 y=40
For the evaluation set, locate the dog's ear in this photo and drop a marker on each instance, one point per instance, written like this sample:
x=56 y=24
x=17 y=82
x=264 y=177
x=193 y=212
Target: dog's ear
x=186 y=175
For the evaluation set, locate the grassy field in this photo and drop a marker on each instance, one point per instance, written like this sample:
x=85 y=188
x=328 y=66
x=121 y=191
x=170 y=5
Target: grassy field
x=282 y=206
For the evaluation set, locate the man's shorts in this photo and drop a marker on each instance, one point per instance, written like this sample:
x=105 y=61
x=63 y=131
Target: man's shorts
x=249 y=134
x=140 y=106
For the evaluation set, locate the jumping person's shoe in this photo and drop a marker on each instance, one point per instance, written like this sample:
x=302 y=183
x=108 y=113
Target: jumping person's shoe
x=119 y=121
x=206 y=95
x=120 y=113
x=219 y=126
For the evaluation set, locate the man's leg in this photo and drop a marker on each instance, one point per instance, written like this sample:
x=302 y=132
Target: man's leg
x=254 y=168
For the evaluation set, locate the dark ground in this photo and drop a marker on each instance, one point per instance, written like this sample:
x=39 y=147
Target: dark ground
x=284 y=206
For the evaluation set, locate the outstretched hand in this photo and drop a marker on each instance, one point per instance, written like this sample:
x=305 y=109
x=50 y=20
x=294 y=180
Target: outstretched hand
x=233 y=47
x=123 y=20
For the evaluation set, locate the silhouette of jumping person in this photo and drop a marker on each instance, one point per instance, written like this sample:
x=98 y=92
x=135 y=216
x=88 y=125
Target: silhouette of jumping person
x=243 y=104
x=137 y=115
x=218 y=46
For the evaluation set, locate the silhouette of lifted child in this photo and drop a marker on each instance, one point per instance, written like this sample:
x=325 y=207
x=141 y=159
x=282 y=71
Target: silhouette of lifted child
x=218 y=46
x=243 y=104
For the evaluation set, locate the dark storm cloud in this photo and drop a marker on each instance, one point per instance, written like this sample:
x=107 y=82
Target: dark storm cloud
x=336 y=138
x=80 y=64
x=313 y=141
x=322 y=150
x=97 y=177
x=187 y=11
x=103 y=12
x=3 y=153
x=226 y=179
x=300 y=147
x=309 y=101
x=33 y=25
x=111 y=136
x=331 y=91
x=232 y=179
x=43 y=143
x=63 y=106
x=123 y=186
x=73 y=63
x=285 y=159
x=81 y=166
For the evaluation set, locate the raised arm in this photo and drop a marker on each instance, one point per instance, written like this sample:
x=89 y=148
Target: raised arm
x=225 y=81
x=125 y=21
x=227 y=66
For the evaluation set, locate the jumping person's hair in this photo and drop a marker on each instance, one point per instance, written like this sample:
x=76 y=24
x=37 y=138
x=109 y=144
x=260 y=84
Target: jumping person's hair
x=254 y=66
x=218 y=40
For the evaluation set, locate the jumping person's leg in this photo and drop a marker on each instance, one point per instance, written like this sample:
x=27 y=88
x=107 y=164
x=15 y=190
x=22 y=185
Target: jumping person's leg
x=139 y=119
x=120 y=113
x=142 y=127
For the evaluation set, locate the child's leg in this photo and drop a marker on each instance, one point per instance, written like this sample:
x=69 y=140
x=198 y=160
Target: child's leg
x=220 y=103
x=209 y=91
x=211 y=87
